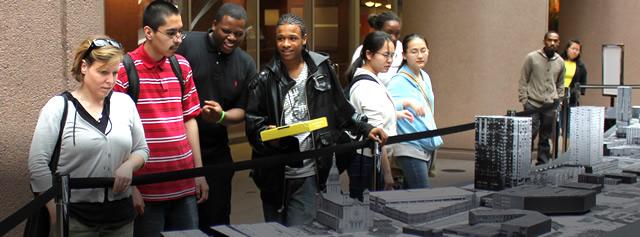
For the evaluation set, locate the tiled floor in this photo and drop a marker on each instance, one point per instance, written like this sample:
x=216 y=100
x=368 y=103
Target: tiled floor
x=245 y=200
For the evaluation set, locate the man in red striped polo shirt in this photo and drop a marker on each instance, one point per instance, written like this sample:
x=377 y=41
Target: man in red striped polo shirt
x=168 y=112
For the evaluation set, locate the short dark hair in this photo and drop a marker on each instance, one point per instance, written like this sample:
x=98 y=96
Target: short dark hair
x=546 y=35
x=377 y=21
x=292 y=19
x=155 y=13
x=231 y=9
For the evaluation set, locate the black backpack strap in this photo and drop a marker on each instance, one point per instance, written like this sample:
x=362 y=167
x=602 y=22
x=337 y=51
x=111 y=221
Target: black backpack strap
x=357 y=78
x=55 y=157
x=175 y=66
x=134 y=81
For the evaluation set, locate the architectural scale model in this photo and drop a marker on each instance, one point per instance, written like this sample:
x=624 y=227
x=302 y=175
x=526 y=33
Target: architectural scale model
x=422 y=205
x=508 y=222
x=503 y=151
x=545 y=199
x=340 y=212
x=623 y=106
x=586 y=126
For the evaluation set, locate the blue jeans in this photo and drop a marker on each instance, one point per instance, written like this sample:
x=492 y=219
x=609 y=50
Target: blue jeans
x=416 y=171
x=359 y=172
x=178 y=214
x=300 y=203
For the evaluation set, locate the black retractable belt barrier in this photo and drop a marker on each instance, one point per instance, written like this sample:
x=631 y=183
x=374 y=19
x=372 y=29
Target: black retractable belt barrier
x=82 y=183
x=14 y=219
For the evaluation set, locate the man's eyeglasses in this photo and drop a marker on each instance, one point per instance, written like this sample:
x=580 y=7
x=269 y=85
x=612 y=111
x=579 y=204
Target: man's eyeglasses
x=99 y=43
x=387 y=55
x=237 y=34
x=172 y=34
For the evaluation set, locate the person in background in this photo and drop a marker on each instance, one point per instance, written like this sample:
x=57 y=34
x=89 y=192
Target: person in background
x=102 y=137
x=411 y=83
x=541 y=83
x=221 y=72
x=387 y=22
x=168 y=111
x=297 y=85
x=575 y=71
x=369 y=96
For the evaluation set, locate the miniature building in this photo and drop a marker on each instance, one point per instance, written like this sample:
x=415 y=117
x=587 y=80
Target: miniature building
x=503 y=151
x=422 y=205
x=623 y=106
x=633 y=134
x=545 y=199
x=556 y=176
x=513 y=222
x=421 y=231
x=269 y=229
x=586 y=137
x=340 y=212
x=591 y=178
x=585 y=186
x=625 y=178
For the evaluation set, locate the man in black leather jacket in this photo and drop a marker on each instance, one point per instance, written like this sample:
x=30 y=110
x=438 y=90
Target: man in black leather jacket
x=290 y=201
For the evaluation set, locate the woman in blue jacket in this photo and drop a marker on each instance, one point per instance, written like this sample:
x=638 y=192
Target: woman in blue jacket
x=411 y=83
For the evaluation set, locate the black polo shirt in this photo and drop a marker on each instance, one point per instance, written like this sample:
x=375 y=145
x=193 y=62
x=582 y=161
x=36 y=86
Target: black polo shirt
x=220 y=77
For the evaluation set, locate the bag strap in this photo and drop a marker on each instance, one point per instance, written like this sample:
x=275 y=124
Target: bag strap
x=175 y=66
x=55 y=157
x=422 y=90
x=134 y=80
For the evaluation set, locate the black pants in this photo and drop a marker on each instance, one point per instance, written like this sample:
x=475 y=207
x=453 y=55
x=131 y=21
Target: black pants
x=216 y=210
x=543 y=123
x=360 y=176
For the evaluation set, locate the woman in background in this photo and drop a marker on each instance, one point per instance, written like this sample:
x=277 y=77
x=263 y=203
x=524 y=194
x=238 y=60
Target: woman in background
x=389 y=23
x=411 y=83
x=575 y=71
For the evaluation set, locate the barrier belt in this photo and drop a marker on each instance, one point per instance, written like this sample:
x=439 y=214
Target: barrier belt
x=14 y=219
x=82 y=183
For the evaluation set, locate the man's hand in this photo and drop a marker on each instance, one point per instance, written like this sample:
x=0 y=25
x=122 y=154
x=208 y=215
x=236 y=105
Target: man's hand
x=211 y=111
x=378 y=135
x=138 y=202
x=202 y=189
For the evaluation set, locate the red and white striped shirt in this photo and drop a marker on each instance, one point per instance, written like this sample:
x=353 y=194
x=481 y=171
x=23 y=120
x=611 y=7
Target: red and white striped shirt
x=163 y=109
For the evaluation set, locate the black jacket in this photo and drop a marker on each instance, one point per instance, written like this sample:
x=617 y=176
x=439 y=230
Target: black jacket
x=579 y=78
x=265 y=107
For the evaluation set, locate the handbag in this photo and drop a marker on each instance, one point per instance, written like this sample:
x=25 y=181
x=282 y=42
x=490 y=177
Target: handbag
x=38 y=222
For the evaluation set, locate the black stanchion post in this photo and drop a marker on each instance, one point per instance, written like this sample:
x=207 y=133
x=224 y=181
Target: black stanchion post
x=62 y=202
x=376 y=165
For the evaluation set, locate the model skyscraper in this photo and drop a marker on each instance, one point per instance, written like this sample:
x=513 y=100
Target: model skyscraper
x=586 y=137
x=503 y=151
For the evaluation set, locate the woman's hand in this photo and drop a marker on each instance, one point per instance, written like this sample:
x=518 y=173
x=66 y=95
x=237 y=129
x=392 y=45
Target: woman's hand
x=123 y=177
x=417 y=108
x=405 y=114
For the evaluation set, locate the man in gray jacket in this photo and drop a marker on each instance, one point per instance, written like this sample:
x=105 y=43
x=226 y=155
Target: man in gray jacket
x=541 y=82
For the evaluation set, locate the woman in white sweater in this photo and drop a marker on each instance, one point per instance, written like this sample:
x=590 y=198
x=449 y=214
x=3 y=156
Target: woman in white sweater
x=102 y=136
x=369 y=96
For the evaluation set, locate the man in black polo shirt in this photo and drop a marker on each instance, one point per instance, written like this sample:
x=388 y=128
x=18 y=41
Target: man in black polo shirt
x=221 y=72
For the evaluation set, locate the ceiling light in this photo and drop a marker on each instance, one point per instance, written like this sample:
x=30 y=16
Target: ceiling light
x=388 y=6
x=377 y=4
x=369 y=4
